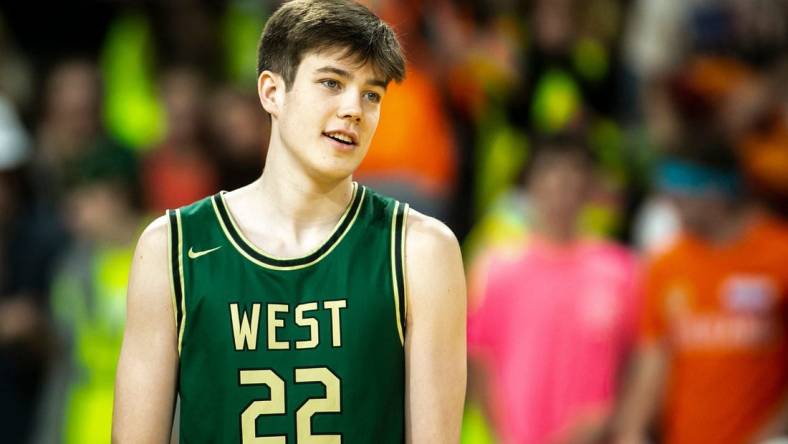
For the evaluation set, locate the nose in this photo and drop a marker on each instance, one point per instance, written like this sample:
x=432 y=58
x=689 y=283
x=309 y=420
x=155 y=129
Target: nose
x=350 y=106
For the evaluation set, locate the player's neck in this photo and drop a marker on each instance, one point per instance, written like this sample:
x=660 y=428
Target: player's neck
x=296 y=197
x=287 y=212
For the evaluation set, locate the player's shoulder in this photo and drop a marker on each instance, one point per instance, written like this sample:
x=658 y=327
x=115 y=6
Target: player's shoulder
x=378 y=203
x=149 y=278
x=155 y=236
x=156 y=233
x=201 y=206
x=430 y=237
x=435 y=273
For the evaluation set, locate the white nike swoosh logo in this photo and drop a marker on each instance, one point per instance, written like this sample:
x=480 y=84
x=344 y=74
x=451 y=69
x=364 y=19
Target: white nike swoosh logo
x=195 y=254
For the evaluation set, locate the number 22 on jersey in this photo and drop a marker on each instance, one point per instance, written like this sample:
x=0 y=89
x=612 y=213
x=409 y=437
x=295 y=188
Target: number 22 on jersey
x=276 y=405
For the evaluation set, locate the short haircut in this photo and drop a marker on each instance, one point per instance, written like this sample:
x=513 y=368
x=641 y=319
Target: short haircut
x=301 y=26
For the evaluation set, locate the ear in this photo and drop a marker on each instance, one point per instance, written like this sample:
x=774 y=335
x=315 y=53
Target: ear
x=271 y=88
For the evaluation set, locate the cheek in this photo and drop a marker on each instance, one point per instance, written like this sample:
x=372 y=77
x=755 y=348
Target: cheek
x=372 y=119
x=299 y=122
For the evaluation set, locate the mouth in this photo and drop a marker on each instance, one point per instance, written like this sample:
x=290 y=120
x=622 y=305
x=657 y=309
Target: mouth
x=345 y=139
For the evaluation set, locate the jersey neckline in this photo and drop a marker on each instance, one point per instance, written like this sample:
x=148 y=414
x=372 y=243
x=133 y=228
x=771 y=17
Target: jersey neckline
x=254 y=254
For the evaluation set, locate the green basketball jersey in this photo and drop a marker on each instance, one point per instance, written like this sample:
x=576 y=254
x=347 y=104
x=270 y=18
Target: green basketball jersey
x=295 y=351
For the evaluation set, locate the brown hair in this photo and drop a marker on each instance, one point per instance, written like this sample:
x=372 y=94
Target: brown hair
x=300 y=26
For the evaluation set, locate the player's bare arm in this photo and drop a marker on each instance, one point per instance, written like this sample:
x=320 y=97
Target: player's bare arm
x=435 y=346
x=147 y=369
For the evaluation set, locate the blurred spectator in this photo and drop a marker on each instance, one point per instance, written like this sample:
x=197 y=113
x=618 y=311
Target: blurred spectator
x=70 y=121
x=240 y=133
x=655 y=40
x=744 y=101
x=70 y=124
x=30 y=239
x=764 y=137
x=88 y=299
x=178 y=170
x=713 y=334
x=186 y=32
x=555 y=318
x=662 y=35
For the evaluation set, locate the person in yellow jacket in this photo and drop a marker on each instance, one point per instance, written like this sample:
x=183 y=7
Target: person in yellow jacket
x=88 y=299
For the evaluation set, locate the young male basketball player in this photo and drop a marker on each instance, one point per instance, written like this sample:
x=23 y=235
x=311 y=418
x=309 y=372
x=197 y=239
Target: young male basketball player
x=304 y=307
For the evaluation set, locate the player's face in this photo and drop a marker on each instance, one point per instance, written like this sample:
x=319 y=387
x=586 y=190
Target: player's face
x=330 y=114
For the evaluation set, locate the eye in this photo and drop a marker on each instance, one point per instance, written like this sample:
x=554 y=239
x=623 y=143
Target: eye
x=372 y=97
x=330 y=83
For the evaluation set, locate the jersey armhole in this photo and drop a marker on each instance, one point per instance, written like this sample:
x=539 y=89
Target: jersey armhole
x=175 y=244
x=398 y=226
x=404 y=297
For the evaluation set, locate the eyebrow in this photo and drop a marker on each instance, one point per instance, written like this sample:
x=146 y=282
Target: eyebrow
x=348 y=75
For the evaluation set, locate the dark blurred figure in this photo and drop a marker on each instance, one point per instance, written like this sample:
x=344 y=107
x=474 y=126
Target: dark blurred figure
x=571 y=64
x=70 y=124
x=69 y=120
x=556 y=316
x=187 y=32
x=746 y=101
x=732 y=62
x=178 y=170
x=30 y=239
x=764 y=135
x=88 y=298
x=240 y=133
x=714 y=335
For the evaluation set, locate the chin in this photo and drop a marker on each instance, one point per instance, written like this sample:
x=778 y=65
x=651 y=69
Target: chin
x=341 y=165
x=336 y=170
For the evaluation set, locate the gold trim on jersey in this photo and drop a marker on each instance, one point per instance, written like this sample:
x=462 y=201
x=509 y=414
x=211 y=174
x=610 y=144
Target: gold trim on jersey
x=394 y=283
x=180 y=274
x=171 y=274
x=293 y=267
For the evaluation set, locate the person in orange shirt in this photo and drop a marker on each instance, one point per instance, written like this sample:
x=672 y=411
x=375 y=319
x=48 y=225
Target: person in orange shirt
x=713 y=349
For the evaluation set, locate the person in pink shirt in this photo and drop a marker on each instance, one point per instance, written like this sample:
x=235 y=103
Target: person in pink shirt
x=555 y=321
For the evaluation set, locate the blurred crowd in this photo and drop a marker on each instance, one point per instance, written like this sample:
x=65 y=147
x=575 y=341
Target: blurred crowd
x=616 y=170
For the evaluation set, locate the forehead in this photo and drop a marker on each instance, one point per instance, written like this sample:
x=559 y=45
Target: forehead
x=342 y=59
